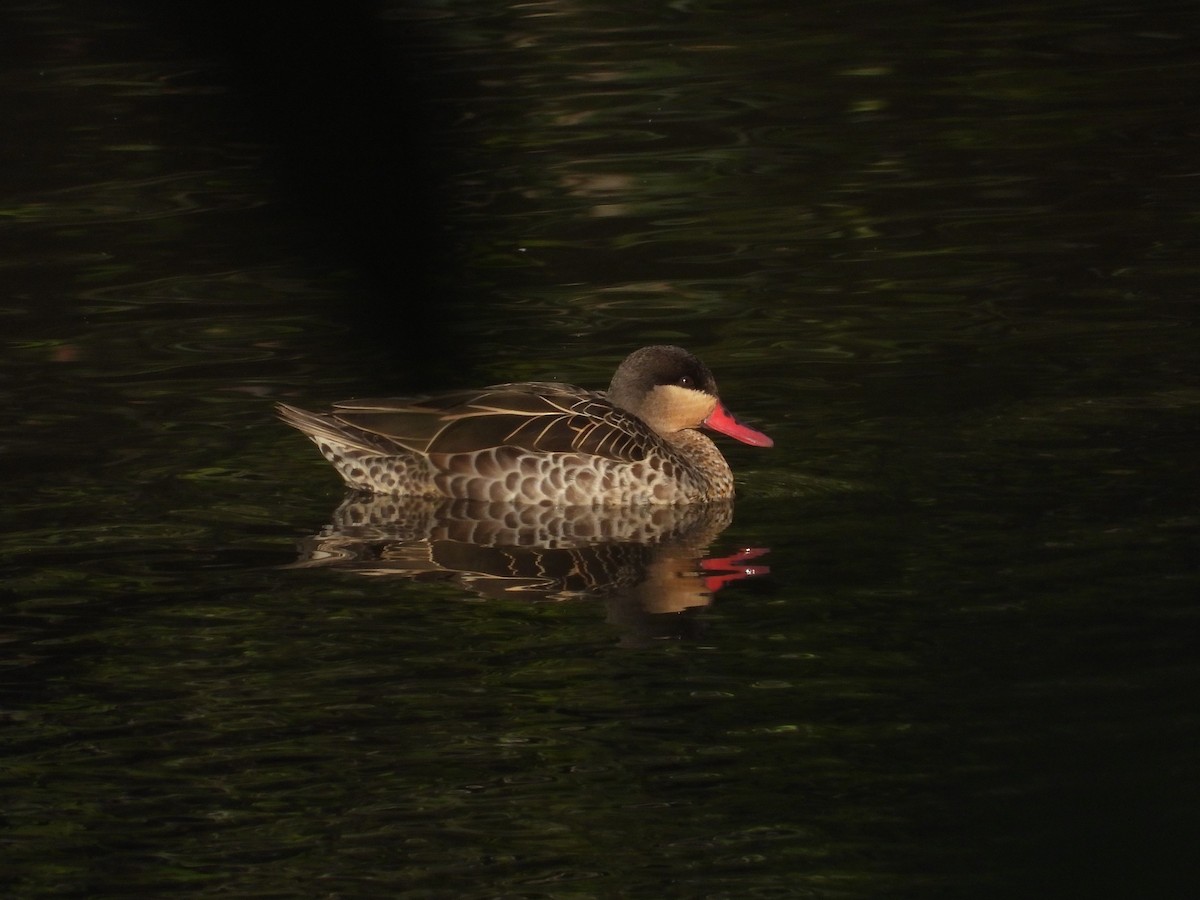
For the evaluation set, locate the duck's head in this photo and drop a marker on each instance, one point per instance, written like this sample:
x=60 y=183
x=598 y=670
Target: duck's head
x=670 y=389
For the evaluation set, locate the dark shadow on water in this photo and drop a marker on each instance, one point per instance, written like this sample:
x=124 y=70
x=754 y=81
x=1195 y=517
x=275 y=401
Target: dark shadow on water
x=334 y=94
x=647 y=564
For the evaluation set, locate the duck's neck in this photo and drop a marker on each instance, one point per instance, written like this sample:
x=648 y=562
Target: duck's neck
x=705 y=467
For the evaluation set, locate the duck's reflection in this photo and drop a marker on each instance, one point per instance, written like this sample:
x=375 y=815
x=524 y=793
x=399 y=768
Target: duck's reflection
x=648 y=564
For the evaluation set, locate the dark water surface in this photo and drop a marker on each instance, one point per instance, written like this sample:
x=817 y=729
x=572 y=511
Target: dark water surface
x=946 y=257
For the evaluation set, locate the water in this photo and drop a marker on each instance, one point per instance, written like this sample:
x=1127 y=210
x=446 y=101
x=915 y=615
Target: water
x=945 y=258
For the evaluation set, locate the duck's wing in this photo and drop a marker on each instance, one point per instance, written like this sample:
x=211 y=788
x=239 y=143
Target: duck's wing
x=538 y=417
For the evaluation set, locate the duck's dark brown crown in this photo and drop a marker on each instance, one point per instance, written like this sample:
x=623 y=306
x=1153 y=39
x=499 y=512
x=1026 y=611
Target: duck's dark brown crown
x=650 y=367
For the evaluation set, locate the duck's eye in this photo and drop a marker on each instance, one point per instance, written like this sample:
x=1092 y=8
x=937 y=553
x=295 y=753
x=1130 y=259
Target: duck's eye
x=686 y=381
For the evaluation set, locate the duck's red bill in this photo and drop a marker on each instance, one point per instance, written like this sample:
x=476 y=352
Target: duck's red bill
x=721 y=420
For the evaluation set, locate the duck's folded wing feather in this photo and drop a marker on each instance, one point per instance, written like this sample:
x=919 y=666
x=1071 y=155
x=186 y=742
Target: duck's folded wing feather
x=538 y=417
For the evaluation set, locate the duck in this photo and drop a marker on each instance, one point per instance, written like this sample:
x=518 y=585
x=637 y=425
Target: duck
x=637 y=443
